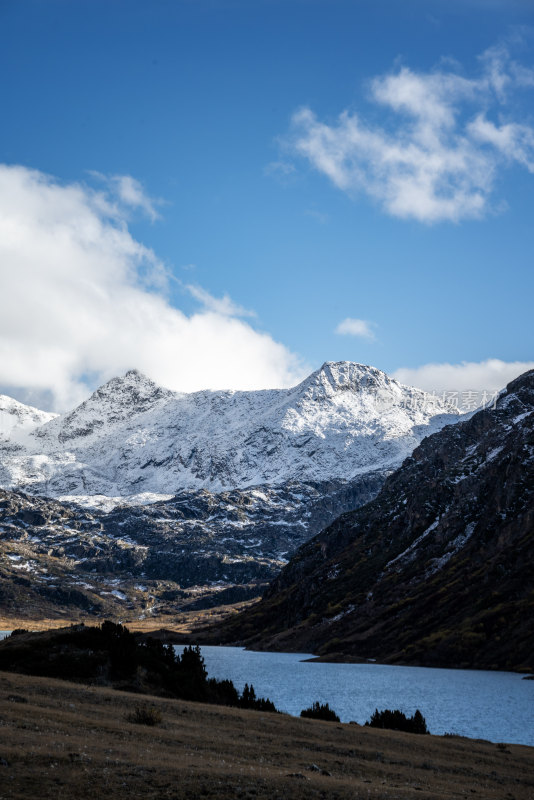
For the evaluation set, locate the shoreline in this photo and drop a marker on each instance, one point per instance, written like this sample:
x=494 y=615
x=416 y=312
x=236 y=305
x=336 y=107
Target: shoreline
x=183 y=633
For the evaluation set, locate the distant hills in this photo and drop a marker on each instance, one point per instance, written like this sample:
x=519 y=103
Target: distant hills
x=436 y=570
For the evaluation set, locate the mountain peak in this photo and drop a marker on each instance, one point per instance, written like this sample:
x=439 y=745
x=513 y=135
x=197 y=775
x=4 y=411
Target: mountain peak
x=116 y=401
x=133 y=377
x=136 y=375
x=341 y=370
x=134 y=389
x=336 y=376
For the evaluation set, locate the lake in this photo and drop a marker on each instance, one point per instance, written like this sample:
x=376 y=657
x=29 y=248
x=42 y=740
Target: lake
x=498 y=706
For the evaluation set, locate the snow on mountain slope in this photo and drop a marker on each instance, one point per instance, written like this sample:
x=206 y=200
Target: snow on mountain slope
x=17 y=419
x=133 y=437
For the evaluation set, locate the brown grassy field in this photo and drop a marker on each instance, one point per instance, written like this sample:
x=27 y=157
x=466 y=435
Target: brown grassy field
x=66 y=741
x=182 y=622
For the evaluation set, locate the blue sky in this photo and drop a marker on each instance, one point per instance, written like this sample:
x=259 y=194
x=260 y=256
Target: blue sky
x=243 y=182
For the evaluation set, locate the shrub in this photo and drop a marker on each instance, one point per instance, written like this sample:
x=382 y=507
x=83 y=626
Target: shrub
x=145 y=716
x=318 y=711
x=17 y=698
x=248 y=699
x=397 y=721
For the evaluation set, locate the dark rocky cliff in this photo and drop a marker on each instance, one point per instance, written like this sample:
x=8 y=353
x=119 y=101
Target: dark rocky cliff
x=436 y=570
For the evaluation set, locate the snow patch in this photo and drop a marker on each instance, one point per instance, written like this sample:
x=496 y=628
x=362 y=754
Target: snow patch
x=409 y=553
x=453 y=547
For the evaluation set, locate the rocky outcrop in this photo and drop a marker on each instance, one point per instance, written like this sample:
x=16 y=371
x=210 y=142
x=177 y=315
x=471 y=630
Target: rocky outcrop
x=190 y=551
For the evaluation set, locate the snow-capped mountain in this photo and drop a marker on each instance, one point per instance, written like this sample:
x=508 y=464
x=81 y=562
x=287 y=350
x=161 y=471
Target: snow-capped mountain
x=210 y=492
x=134 y=440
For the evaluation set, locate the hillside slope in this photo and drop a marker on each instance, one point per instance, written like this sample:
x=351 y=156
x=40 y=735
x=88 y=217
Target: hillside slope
x=62 y=739
x=196 y=550
x=17 y=419
x=437 y=570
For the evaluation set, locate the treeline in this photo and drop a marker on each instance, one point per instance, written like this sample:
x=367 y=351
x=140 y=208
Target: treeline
x=111 y=655
x=398 y=721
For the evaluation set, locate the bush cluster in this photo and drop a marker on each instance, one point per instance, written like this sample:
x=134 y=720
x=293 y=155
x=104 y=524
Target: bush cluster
x=145 y=716
x=397 y=721
x=318 y=711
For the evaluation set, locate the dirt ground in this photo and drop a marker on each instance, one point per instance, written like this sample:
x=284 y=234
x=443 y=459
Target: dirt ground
x=66 y=741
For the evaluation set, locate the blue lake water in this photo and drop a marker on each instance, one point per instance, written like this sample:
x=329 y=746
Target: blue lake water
x=498 y=706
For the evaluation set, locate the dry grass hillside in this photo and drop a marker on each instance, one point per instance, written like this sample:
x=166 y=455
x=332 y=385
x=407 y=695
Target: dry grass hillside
x=61 y=740
x=183 y=622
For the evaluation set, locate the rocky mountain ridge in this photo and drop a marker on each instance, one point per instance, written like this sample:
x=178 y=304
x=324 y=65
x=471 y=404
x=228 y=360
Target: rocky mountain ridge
x=133 y=439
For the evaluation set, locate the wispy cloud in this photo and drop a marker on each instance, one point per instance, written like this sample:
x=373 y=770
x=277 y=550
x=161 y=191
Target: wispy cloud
x=444 y=139
x=82 y=297
x=318 y=216
x=132 y=194
x=224 y=306
x=129 y=193
x=483 y=376
x=514 y=141
x=356 y=327
x=281 y=169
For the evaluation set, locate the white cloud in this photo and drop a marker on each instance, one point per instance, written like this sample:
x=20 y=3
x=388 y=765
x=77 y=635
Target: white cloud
x=437 y=154
x=355 y=327
x=514 y=141
x=132 y=194
x=83 y=301
x=484 y=376
x=129 y=193
x=224 y=306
